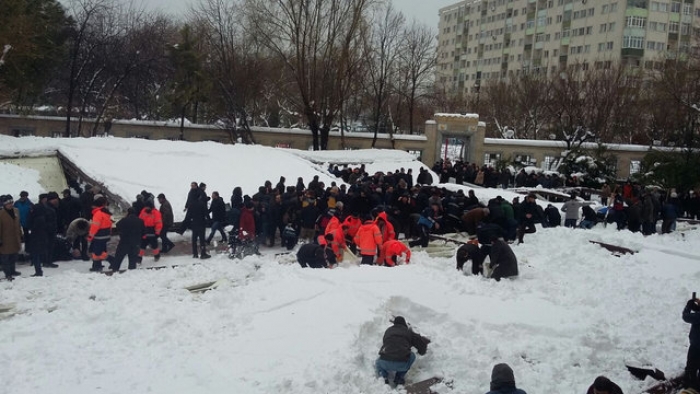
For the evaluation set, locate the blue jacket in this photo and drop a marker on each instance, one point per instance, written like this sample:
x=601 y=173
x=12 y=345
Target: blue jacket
x=24 y=208
x=692 y=317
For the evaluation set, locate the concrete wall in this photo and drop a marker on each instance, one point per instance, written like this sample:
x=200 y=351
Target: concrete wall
x=466 y=127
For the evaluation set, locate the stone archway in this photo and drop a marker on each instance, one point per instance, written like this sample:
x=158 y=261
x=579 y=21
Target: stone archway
x=463 y=132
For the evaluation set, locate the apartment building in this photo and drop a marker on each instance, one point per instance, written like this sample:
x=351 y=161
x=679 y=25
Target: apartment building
x=480 y=40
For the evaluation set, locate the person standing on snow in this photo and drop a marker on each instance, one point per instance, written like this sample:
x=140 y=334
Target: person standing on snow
x=153 y=224
x=368 y=239
x=196 y=220
x=10 y=237
x=218 y=217
x=503 y=380
x=395 y=354
x=166 y=213
x=131 y=230
x=100 y=232
x=691 y=314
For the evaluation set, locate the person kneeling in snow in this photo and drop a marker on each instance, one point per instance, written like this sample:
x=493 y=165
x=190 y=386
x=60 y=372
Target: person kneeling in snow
x=503 y=380
x=504 y=264
x=315 y=256
x=395 y=354
x=471 y=251
x=395 y=252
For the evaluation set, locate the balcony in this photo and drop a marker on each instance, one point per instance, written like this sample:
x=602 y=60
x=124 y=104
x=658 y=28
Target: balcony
x=632 y=52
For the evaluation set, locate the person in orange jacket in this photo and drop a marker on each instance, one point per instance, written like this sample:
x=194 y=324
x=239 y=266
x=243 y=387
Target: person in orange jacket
x=385 y=227
x=153 y=223
x=393 y=250
x=353 y=223
x=100 y=232
x=367 y=239
x=338 y=244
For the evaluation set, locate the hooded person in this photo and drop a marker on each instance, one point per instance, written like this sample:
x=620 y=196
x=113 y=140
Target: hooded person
x=100 y=232
x=395 y=354
x=603 y=385
x=503 y=380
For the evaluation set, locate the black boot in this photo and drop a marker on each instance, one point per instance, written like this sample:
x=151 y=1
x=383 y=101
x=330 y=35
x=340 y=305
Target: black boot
x=96 y=266
x=203 y=254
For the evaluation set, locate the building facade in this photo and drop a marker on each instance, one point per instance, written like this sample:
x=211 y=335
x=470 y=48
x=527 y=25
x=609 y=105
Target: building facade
x=481 y=40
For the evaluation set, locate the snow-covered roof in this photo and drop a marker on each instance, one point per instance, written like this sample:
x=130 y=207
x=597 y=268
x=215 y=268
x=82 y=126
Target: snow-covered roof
x=464 y=116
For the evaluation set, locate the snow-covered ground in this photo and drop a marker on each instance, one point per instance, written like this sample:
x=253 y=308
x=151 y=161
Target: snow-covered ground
x=575 y=312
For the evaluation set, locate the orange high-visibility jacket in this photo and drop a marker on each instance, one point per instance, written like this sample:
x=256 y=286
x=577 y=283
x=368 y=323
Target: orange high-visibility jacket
x=152 y=220
x=395 y=248
x=388 y=232
x=338 y=244
x=367 y=239
x=101 y=225
x=353 y=224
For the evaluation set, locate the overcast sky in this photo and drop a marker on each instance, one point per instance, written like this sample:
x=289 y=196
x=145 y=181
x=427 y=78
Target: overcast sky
x=425 y=11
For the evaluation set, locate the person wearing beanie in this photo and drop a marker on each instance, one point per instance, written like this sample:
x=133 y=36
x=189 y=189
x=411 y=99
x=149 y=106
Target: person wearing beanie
x=603 y=385
x=196 y=220
x=10 y=237
x=395 y=354
x=503 y=380
x=100 y=233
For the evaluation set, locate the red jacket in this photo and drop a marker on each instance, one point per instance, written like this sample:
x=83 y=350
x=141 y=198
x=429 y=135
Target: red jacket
x=152 y=221
x=247 y=224
x=394 y=248
x=367 y=239
x=338 y=244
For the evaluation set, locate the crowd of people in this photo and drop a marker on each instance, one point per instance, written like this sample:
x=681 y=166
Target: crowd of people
x=364 y=216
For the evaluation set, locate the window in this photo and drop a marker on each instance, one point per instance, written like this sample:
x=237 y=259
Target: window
x=635 y=166
x=491 y=158
x=685 y=28
x=687 y=9
x=611 y=26
x=676 y=7
x=548 y=163
x=633 y=42
x=613 y=7
x=603 y=28
x=673 y=27
x=636 y=21
x=605 y=9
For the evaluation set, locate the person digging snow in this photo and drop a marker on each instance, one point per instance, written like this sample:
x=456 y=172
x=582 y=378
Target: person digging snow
x=395 y=354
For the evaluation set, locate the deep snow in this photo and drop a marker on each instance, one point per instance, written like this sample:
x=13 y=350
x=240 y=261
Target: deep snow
x=575 y=312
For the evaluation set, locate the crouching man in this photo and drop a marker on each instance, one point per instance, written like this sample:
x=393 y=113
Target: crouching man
x=395 y=354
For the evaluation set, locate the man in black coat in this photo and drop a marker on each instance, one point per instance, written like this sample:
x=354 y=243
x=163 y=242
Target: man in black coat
x=504 y=264
x=315 y=256
x=552 y=216
x=131 y=229
x=691 y=314
x=196 y=220
x=528 y=214
x=395 y=354
x=470 y=251
x=217 y=209
x=51 y=223
x=69 y=209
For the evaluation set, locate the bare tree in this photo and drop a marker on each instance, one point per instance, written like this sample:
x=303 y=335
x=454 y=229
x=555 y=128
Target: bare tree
x=416 y=66
x=313 y=38
x=381 y=51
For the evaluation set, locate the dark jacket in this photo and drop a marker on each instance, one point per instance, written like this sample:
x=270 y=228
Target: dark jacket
x=166 y=211
x=196 y=217
x=69 y=209
x=503 y=260
x=552 y=216
x=615 y=389
x=470 y=252
x=398 y=341
x=218 y=210
x=315 y=256
x=691 y=314
x=131 y=229
x=39 y=239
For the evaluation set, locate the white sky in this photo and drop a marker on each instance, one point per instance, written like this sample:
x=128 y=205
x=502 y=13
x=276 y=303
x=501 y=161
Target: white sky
x=425 y=11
